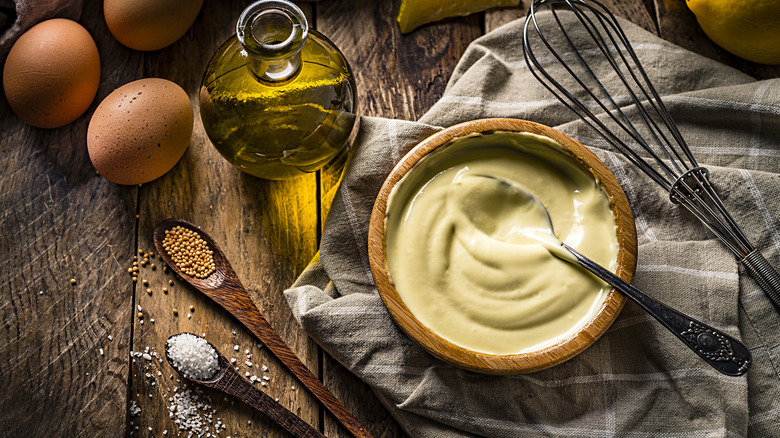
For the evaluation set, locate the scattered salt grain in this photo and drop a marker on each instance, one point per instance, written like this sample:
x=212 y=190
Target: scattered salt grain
x=147 y=356
x=192 y=356
x=235 y=348
x=101 y=352
x=110 y=338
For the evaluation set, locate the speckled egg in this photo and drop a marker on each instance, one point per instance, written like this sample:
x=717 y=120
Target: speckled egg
x=52 y=73
x=140 y=131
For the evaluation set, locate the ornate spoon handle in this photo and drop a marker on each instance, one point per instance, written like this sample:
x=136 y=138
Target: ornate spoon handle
x=718 y=349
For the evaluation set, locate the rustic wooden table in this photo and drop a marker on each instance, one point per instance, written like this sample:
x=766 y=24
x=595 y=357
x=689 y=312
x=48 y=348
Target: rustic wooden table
x=66 y=349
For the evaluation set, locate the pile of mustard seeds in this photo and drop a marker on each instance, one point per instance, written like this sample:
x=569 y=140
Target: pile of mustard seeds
x=189 y=252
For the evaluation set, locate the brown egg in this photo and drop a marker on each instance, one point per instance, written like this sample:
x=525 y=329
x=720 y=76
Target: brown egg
x=149 y=24
x=52 y=73
x=140 y=131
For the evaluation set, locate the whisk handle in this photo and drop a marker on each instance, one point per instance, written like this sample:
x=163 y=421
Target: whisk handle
x=764 y=274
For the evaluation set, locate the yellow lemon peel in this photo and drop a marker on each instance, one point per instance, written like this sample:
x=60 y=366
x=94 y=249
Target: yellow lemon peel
x=749 y=29
x=415 y=13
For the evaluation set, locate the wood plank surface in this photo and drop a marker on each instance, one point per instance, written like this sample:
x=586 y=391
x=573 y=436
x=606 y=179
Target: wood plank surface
x=268 y=229
x=398 y=76
x=59 y=220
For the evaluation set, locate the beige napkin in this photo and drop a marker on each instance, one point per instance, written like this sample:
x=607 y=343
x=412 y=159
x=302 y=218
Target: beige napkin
x=638 y=380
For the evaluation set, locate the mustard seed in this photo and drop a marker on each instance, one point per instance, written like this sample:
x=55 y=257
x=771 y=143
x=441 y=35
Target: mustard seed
x=175 y=312
x=140 y=314
x=170 y=282
x=72 y=281
x=192 y=308
x=189 y=252
x=149 y=291
x=165 y=290
x=145 y=282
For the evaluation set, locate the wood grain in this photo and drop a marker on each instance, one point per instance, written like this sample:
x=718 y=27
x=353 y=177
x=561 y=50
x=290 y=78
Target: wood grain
x=227 y=380
x=270 y=226
x=60 y=220
x=637 y=11
x=224 y=287
x=513 y=363
x=398 y=76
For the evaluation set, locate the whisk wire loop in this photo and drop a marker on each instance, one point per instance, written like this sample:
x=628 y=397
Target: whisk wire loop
x=654 y=143
x=578 y=106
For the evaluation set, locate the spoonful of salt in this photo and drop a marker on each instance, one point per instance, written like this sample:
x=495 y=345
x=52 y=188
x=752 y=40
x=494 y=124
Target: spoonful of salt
x=720 y=350
x=200 y=362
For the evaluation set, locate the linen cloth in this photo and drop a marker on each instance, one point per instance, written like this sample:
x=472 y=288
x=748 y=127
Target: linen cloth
x=637 y=380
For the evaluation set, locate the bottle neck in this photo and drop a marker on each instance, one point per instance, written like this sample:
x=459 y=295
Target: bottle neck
x=273 y=32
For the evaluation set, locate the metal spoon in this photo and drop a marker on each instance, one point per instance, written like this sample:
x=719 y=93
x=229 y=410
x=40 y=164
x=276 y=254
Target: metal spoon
x=718 y=349
x=227 y=380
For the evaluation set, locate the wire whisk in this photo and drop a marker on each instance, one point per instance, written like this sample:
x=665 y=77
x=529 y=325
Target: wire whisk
x=607 y=87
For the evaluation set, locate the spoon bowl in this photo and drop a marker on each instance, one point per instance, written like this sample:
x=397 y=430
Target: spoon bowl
x=227 y=380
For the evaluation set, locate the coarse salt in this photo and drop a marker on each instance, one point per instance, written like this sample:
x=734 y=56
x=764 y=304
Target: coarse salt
x=193 y=356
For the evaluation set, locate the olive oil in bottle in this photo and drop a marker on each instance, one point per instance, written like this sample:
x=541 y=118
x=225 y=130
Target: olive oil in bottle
x=278 y=98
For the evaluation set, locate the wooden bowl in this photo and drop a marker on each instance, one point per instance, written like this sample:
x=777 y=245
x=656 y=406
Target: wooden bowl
x=511 y=363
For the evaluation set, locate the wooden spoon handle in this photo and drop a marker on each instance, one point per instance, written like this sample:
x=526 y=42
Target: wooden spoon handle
x=234 y=385
x=235 y=299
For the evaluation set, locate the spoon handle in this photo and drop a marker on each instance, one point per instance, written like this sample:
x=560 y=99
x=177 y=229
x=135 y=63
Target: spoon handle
x=718 y=349
x=235 y=299
x=236 y=386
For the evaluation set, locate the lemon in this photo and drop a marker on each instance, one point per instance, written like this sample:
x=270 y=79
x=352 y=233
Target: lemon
x=749 y=29
x=415 y=13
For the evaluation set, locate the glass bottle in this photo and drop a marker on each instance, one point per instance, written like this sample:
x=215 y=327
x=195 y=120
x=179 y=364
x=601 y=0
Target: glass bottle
x=278 y=98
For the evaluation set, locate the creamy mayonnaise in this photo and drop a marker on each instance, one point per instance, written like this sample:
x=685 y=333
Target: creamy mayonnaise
x=462 y=253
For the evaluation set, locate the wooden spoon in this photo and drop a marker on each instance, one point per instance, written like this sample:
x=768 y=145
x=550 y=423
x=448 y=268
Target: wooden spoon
x=227 y=380
x=224 y=287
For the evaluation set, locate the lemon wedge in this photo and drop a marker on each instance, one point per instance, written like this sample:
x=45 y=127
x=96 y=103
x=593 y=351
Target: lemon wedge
x=749 y=29
x=415 y=13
